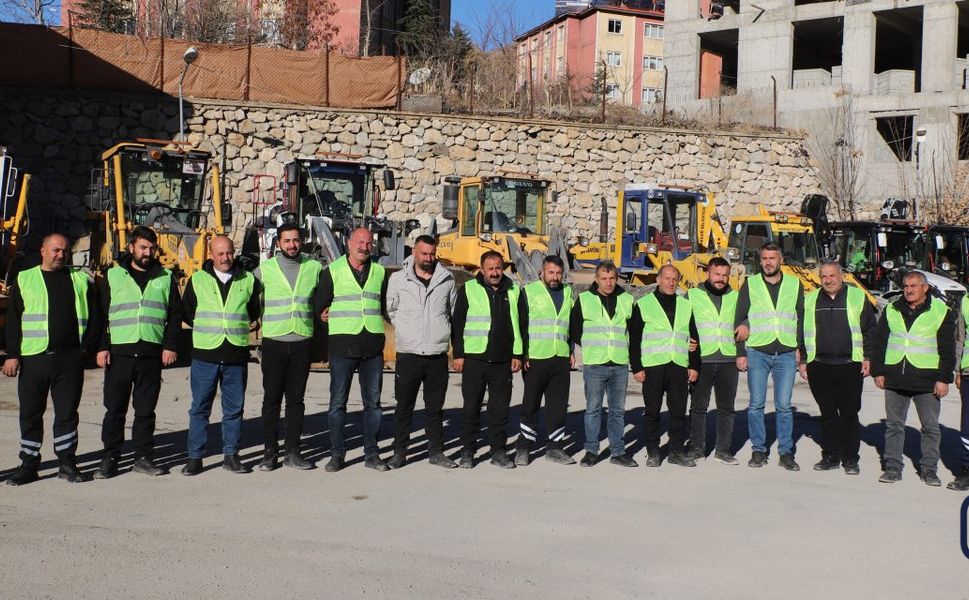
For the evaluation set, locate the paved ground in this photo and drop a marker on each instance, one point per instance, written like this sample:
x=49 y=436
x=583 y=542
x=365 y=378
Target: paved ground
x=545 y=531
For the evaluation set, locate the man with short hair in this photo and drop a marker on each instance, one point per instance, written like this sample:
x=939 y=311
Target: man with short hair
x=289 y=280
x=221 y=301
x=52 y=316
x=143 y=310
x=351 y=299
x=714 y=304
x=661 y=328
x=914 y=357
x=839 y=328
x=420 y=299
x=544 y=309
x=600 y=323
x=961 y=482
x=487 y=346
x=769 y=319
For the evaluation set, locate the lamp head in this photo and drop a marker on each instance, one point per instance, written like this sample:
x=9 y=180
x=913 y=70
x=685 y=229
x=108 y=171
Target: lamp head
x=191 y=53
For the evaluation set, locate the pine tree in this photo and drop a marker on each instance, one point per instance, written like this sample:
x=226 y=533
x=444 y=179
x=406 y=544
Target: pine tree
x=106 y=15
x=421 y=35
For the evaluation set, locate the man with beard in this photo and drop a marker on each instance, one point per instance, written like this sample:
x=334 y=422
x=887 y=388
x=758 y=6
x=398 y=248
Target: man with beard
x=52 y=314
x=487 y=344
x=143 y=311
x=289 y=282
x=770 y=316
x=221 y=301
x=420 y=297
x=544 y=309
x=714 y=305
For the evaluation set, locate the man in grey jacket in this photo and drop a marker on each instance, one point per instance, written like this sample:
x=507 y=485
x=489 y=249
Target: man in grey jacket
x=420 y=298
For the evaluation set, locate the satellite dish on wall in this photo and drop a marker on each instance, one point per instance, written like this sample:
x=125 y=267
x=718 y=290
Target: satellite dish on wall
x=419 y=76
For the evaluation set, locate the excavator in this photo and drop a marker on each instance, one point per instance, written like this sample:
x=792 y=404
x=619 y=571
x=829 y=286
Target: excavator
x=14 y=188
x=159 y=184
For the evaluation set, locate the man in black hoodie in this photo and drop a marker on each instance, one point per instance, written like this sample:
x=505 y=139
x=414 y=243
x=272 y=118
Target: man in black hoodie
x=914 y=358
x=143 y=311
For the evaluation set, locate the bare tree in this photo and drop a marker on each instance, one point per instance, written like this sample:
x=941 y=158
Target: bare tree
x=836 y=146
x=310 y=24
x=32 y=11
x=944 y=185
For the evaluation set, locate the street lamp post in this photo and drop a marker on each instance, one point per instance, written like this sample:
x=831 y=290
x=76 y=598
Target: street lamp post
x=191 y=53
x=920 y=135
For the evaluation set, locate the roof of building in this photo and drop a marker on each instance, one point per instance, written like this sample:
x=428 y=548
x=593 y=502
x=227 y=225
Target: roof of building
x=619 y=10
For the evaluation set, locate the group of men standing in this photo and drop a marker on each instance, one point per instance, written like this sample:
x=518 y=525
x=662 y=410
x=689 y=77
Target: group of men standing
x=681 y=348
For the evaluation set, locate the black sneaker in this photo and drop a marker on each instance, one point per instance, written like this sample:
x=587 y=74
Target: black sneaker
x=623 y=461
x=589 y=460
x=502 y=460
x=890 y=476
x=336 y=463
x=270 y=461
x=757 y=459
x=697 y=454
x=726 y=458
x=787 y=461
x=930 y=478
x=827 y=463
x=23 y=475
x=467 y=459
x=851 y=467
x=374 y=462
x=192 y=467
x=108 y=468
x=439 y=460
x=233 y=464
x=681 y=460
x=293 y=460
x=398 y=460
x=961 y=482
x=654 y=459
x=146 y=466
x=70 y=473
x=522 y=452
x=558 y=456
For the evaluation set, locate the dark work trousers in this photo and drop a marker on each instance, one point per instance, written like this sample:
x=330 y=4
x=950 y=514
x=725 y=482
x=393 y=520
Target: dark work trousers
x=285 y=369
x=62 y=376
x=548 y=377
x=721 y=380
x=837 y=390
x=136 y=380
x=964 y=431
x=478 y=377
x=668 y=379
x=414 y=370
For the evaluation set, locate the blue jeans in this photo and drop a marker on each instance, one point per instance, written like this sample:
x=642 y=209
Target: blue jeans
x=608 y=380
x=371 y=380
x=205 y=378
x=782 y=367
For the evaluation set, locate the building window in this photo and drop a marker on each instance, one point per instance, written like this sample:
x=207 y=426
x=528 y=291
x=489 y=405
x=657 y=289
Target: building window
x=614 y=59
x=560 y=67
x=963 y=135
x=897 y=132
x=653 y=31
x=548 y=39
x=522 y=49
x=653 y=63
x=612 y=91
x=561 y=34
x=615 y=26
x=651 y=95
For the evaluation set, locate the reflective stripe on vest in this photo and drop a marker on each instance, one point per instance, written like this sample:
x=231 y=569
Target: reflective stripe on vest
x=136 y=315
x=854 y=303
x=715 y=328
x=663 y=343
x=34 y=321
x=767 y=322
x=355 y=309
x=216 y=321
x=605 y=339
x=548 y=332
x=288 y=309
x=918 y=345
x=965 y=321
x=477 y=324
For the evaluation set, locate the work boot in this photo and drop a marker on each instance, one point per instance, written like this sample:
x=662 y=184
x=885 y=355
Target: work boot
x=24 y=474
x=623 y=461
x=930 y=478
x=654 y=459
x=439 y=460
x=293 y=460
x=233 y=464
x=270 y=460
x=961 y=482
x=374 y=462
x=146 y=466
x=851 y=467
x=787 y=461
x=499 y=458
x=589 y=460
x=108 y=468
x=398 y=460
x=890 y=476
x=69 y=472
x=192 y=467
x=680 y=459
x=467 y=459
x=726 y=458
x=757 y=459
x=827 y=463
x=336 y=463
x=522 y=450
x=558 y=456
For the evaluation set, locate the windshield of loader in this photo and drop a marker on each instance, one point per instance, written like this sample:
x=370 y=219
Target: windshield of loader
x=798 y=247
x=905 y=248
x=335 y=190
x=671 y=222
x=514 y=206
x=172 y=185
x=950 y=258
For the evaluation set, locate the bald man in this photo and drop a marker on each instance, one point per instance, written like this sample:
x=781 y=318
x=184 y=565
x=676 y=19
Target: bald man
x=352 y=299
x=221 y=301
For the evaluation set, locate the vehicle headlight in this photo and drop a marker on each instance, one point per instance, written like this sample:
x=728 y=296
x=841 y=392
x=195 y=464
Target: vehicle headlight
x=651 y=249
x=583 y=241
x=733 y=254
x=946 y=266
x=485 y=237
x=888 y=264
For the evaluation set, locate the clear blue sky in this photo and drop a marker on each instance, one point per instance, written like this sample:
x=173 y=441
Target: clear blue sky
x=474 y=15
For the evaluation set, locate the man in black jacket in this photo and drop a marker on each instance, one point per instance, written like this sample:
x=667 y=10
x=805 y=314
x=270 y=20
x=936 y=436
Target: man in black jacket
x=913 y=362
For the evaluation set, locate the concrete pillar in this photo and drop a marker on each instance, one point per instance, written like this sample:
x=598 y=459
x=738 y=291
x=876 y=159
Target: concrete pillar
x=858 y=52
x=940 y=32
